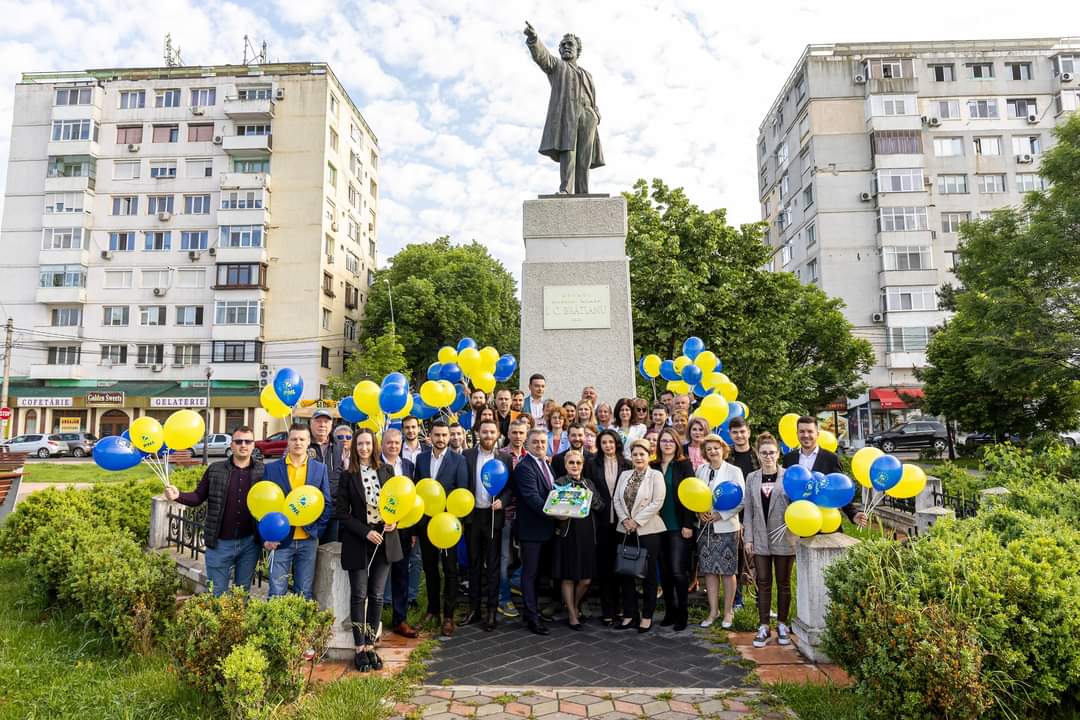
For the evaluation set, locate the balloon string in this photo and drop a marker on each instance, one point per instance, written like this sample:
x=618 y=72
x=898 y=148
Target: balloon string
x=270 y=571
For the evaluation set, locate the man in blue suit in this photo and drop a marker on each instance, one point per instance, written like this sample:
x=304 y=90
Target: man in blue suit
x=297 y=552
x=448 y=469
x=532 y=482
x=400 y=590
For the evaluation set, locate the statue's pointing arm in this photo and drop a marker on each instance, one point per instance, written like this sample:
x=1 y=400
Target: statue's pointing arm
x=539 y=53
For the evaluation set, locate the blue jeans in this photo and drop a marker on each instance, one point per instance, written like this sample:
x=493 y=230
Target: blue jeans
x=415 y=566
x=240 y=554
x=299 y=558
x=504 y=563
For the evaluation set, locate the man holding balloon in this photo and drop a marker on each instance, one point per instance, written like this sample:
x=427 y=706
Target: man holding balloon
x=488 y=477
x=815 y=458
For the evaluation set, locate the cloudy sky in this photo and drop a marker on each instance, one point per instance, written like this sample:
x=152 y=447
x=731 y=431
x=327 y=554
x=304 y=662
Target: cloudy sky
x=458 y=105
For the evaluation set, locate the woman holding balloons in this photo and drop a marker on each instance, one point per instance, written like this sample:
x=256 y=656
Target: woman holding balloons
x=718 y=550
x=679 y=523
x=626 y=424
x=639 y=496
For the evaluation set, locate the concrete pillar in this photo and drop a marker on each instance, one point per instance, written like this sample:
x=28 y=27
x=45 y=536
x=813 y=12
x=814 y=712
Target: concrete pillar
x=925 y=499
x=927 y=517
x=159 y=522
x=812 y=556
x=331 y=588
x=994 y=496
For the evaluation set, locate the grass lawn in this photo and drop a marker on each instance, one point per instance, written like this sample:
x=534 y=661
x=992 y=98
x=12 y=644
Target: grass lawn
x=819 y=702
x=81 y=473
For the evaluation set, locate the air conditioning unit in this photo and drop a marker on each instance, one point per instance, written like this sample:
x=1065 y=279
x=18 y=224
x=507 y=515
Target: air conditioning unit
x=333 y=226
x=1032 y=119
x=212 y=251
x=1066 y=77
x=279 y=94
x=106 y=254
x=933 y=121
x=158 y=292
x=866 y=197
x=157 y=368
x=859 y=79
x=877 y=317
x=264 y=376
x=197 y=111
x=194 y=255
x=165 y=215
x=133 y=147
x=1025 y=159
x=928 y=181
x=217 y=139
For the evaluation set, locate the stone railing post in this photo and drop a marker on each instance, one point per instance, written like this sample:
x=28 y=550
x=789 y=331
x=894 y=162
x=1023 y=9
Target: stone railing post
x=927 y=517
x=331 y=588
x=925 y=499
x=159 y=522
x=994 y=496
x=812 y=556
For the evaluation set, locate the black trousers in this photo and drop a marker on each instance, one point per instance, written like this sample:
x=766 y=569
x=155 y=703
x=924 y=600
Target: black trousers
x=399 y=580
x=366 y=590
x=432 y=558
x=530 y=574
x=651 y=543
x=674 y=577
x=484 y=552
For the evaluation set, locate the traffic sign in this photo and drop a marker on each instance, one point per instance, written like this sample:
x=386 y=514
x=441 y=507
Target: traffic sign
x=5 y=413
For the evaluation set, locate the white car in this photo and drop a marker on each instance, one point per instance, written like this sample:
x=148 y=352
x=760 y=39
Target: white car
x=1071 y=438
x=44 y=446
x=220 y=446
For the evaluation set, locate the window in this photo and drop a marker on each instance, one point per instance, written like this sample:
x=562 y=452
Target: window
x=157 y=240
x=352 y=263
x=918 y=297
x=354 y=197
x=785 y=254
x=811 y=236
x=203 y=97
x=328 y=284
x=908 y=339
x=62 y=276
x=1026 y=144
x=374 y=161
x=114 y=354
x=785 y=184
x=194 y=239
x=890 y=68
x=350 y=329
x=808 y=196
x=64 y=239
x=944 y=109
x=256 y=165
x=166 y=133
x=327 y=319
x=238 y=312
x=945 y=72
x=352 y=297
x=163 y=169
x=68 y=130
x=1030 y=182
x=982 y=109
x=125 y=205
x=812 y=270
x=203 y=132
x=117 y=279
x=255 y=92
x=149 y=354
x=901 y=219
x=324 y=357
x=892 y=105
x=331 y=174
x=804 y=125
x=355 y=134
x=371 y=250
x=189 y=315
x=333 y=140
x=1066 y=64
x=994 y=183
x=242 y=200
x=781 y=154
x=950 y=184
x=64 y=355
x=352 y=230
x=200 y=167
x=126 y=170
x=187 y=354
x=980 y=71
x=897 y=142
x=899 y=180
x=66 y=317
x=236 y=351
x=159 y=203
x=71 y=167
x=258 y=129
x=74 y=96
x=197 y=204
x=333 y=104
x=71 y=202
x=1018 y=70
x=126 y=134
x=151 y=315
x=154 y=279
x=915 y=257
x=121 y=241
x=1022 y=107
x=167 y=98
x=239 y=275
x=115 y=315
x=354 y=163
x=987 y=145
x=948 y=146
x=950 y=222
x=190 y=278
x=235 y=236
x=131 y=99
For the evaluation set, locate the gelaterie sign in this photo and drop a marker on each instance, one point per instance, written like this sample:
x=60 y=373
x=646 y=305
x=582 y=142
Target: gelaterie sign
x=577 y=307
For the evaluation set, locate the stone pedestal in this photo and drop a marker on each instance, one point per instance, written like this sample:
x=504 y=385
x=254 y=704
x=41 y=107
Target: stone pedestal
x=576 y=326
x=927 y=517
x=331 y=591
x=159 y=522
x=812 y=556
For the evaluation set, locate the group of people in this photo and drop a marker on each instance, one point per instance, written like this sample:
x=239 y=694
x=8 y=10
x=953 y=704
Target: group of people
x=630 y=457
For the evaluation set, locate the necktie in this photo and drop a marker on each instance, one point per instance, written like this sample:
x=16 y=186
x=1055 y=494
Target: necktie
x=548 y=480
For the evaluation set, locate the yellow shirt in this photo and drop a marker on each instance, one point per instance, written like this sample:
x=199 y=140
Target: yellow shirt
x=297 y=478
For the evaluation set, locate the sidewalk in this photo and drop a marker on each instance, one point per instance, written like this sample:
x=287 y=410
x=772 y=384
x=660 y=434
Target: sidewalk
x=780 y=663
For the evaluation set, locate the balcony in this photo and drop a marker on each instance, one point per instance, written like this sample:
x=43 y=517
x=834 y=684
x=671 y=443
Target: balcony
x=905 y=360
x=72 y=147
x=244 y=216
x=241 y=255
x=81 y=219
x=247 y=145
x=60 y=295
x=237 y=332
x=245 y=110
x=894 y=122
x=55 y=333
x=62 y=183
x=64 y=257
x=245 y=181
x=893 y=278
x=56 y=372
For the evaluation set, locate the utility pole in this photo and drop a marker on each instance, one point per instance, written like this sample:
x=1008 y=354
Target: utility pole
x=9 y=335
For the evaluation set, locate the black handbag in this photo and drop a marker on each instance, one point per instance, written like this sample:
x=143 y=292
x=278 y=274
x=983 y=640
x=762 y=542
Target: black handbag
x=630 y=560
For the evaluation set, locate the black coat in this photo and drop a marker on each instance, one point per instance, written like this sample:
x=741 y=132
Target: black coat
x=826 y=462
x=351 y=511
x=558 y=463
x=530 y=493
x=680 y=471
x=471 y=456
x=594 y=471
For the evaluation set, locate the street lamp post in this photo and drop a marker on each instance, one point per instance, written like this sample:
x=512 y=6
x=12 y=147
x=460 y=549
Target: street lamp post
x=206 y=435
x=390 y=295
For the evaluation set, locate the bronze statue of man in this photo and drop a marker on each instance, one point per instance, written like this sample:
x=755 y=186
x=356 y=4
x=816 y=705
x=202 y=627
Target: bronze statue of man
x=570 y=135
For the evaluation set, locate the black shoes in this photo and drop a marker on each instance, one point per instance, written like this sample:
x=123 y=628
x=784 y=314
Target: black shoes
x=472 y=618
x=575 y=626
x=361 y=662
x=684 y=617
x=669 y=619
x=489 y=622
x=538 y=628
x=374 y=660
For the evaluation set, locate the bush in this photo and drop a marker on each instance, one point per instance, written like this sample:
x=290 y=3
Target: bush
x=245 y=683
x=41 y=508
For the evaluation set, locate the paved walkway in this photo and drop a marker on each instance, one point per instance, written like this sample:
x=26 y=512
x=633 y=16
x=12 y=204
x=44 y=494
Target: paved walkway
x=28 y=488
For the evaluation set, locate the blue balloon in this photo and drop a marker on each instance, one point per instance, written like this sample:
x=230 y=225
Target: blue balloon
x=667 y=370
x=835 y=491
x=434 y=371
x=725 y=433
x=274 y=527
x=691 y=374
x=116 y=453
x=885 y=472
x=349 y=412
x=465 y=420
x=494 y=475
x=420 y=409
x=465 y=342
x=451 y=372
x=395 y=424
x=798 y=483
x=784 y=448
x=289 y=386
x=460 y=400
x=692 y=347
x=641 y=369
x=734 y=410
x=393 y=398
x=700 y=391
x=726 y=496
x=394 y=378
x=719 y=365
x=126 y=435
x=505 y=367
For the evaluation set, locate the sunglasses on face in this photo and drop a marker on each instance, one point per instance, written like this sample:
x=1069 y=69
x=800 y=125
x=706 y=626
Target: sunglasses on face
x=343 y=437
x=768 y=452
x=238 y=441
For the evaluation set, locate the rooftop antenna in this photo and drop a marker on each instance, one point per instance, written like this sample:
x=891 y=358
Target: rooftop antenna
x=172 y=54
x=257 y=58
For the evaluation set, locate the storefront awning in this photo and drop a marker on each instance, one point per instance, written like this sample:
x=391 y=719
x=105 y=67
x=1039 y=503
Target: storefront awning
x=892 y=398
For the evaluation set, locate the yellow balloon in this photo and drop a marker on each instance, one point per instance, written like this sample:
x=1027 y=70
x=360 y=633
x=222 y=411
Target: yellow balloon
x=146 y=434
x=373 y=423
x=714 y=410
x=827 y=440
x=706 y=360
x=460 y=502
x=431 y=393
x=469 y=360
x=803 y=518
x=830 y=519
x=396 y=499
x=789 y=431
x=728 y=390
x=444 y=530
x=264 y=497
x=861 y=462
x=449 y=392
x=651 y=363
x=183 y=429
x=304 y=505
x=679 y=387
x=710 y=380
x=415 y=514
x=681 y=362
x=447 y=354
x=272 y=404
x=484 y=380
x=366 y=397
x=911 y=482
x=695 y=495
x=488 y=357
x=433 y=495
x=404 y=412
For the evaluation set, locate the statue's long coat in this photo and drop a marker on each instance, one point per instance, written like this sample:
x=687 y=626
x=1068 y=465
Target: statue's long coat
x=570 y=85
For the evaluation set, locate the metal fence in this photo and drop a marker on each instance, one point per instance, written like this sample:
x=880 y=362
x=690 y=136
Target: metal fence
x=962 y=506
x=904 y=504
x=186 y=527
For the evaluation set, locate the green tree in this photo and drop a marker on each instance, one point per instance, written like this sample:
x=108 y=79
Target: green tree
x=441 y=293
x=1015 y=335
x=377 y=357
x=786 y=345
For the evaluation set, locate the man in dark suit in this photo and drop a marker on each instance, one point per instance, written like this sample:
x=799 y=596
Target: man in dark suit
x=398 y=587
x=818 y=459
x=533 y=481
x=484 y=526
x=575 y=434
x=448 y=469
x=511 y=455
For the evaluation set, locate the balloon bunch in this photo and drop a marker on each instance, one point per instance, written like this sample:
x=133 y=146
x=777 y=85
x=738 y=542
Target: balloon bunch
x=789 y=435
x=445 y=511
x=695 y=495
x=886 y=475
x=480 y=368
x=816 y=500
x=279 y=397
x=149 y=441
x=375 y=406
x=276 y=513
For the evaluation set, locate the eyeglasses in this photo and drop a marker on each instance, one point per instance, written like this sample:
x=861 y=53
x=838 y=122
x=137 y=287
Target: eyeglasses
x=343 y=437
x=767 y=453
x=240 y=441
x=667 y=441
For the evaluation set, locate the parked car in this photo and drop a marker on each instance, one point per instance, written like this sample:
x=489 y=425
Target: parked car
x=220 y=446
x=985 y=438
x=43 y=446
x=80 y=444
x=273 y=446
x=912 y=435
x=1071 y=438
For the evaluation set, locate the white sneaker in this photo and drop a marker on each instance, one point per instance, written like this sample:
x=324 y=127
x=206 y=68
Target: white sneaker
x=782 y=634
x=762 y=637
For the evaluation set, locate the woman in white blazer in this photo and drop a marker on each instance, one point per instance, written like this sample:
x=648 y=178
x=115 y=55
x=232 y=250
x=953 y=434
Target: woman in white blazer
x=623 y=423
x=718 y=551
x=639 y=497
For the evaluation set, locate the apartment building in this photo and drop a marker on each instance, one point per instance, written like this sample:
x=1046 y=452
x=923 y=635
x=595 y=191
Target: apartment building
x=874 y=154
x=165 y=223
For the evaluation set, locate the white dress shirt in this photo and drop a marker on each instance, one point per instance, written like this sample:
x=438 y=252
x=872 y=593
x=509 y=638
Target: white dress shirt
x=436 y=462
x=396 y=464
x=483 y=497
x=807 y=461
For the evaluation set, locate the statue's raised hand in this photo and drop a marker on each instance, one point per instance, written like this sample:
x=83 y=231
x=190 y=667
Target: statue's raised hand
x=530 y=33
